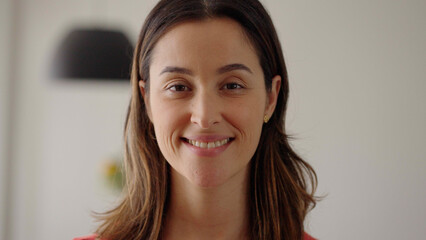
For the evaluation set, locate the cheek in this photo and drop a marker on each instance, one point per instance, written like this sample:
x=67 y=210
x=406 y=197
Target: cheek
x=164 y=114
x=168 y=119
x=247 y=117
x=248 y=112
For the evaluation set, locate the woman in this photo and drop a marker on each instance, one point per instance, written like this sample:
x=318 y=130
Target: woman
x=207 y=156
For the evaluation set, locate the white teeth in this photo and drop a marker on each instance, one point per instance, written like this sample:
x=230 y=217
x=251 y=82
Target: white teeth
x=208 y=144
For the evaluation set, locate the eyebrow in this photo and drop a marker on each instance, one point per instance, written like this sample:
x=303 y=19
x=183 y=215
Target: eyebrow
x=177 y=70
x=232 y=67
x=222 y=70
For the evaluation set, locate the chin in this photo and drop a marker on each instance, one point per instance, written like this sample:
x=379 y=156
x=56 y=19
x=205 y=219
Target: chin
x=207 y=179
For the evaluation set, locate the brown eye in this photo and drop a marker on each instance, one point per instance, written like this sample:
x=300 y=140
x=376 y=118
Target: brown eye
x=178 y=88
x=231 y=86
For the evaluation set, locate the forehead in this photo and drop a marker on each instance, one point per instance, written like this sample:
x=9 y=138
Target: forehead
x=214 y=41
x=210 y=27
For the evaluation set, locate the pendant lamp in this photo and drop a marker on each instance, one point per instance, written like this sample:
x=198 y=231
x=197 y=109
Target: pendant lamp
x=93 y=54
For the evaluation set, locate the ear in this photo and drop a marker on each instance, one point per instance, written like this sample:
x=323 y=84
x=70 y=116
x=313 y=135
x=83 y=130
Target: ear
x=272 y=96
x=145 y=97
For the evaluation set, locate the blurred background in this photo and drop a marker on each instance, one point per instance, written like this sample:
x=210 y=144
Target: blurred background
x=357 y=74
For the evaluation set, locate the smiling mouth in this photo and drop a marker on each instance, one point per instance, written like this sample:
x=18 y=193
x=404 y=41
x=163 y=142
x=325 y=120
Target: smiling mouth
x=208 y=145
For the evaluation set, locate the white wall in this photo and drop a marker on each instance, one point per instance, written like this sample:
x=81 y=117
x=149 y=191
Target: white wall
x=63 y=132
x=358 y=82
x=5 y=32
x=357 y=74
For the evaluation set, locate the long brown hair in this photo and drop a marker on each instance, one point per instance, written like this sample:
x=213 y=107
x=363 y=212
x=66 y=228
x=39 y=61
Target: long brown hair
x=282 y=184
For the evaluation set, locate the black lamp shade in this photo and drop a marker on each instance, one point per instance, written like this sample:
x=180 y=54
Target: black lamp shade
x=93 y=54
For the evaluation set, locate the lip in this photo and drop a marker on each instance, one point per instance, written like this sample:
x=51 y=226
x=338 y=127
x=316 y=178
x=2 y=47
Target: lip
x=208 y=138
x=207 y=152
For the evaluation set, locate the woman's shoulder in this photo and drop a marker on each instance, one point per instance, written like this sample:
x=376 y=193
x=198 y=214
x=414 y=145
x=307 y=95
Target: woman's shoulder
x=308 y=237
x=91 y=237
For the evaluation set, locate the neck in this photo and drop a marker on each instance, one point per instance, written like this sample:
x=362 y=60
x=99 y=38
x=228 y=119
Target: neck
x=218 y=212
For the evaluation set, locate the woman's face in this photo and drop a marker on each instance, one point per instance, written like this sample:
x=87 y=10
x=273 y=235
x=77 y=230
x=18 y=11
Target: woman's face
x=207 y=100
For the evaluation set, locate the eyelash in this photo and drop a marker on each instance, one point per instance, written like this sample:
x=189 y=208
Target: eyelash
x=238 y=86
x=175 y=86
x=182 y=87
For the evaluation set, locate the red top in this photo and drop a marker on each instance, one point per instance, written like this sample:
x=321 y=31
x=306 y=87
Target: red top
x=93 y=237
x=308 y=237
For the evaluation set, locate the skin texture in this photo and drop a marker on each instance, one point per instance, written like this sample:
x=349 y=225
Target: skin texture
x=206 y=81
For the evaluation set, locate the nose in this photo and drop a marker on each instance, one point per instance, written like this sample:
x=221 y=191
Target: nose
x=206 y=109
